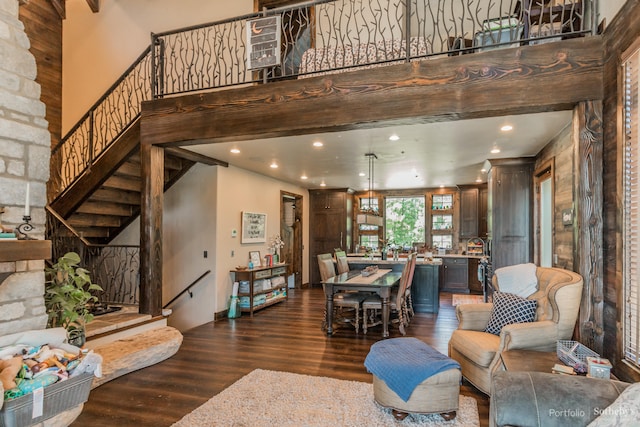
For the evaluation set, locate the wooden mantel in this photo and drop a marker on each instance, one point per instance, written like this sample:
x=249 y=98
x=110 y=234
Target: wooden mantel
x=24 y=250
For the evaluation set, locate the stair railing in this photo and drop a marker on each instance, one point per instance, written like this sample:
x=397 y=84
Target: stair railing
x=345 y=34
x=187 y=289
x=116 y=268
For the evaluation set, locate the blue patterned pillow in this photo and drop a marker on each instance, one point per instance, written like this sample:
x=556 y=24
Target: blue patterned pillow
x=509 y=308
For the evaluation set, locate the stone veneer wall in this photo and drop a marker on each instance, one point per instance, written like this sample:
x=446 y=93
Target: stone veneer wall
x=24 y=158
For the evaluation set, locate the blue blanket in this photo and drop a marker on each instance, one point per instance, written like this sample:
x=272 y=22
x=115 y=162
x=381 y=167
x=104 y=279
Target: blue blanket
x=403 y=363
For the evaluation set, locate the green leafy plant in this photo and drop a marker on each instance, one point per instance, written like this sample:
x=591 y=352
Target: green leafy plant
x=68 y=293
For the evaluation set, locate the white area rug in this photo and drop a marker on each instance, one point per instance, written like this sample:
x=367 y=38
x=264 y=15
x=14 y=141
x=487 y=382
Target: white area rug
x=269 y=398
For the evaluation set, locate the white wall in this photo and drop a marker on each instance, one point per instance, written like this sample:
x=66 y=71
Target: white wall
x=608 y=9
x=98 y=48
x=200 y=211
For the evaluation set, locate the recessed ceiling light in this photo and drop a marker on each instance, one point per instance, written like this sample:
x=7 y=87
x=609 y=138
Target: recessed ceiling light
x=318 y=144
x=394 y=137
x=441 y=185
x=495 y=150
x=483 y=170
x=322 y=184
x=506 y=128
x=235 y=151
x=304 y=177
x=478 y=180
x=361 y=174
x=273 y=165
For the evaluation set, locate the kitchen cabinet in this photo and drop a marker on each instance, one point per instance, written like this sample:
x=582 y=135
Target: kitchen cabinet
x=509 y=206
x=261 y=287
x=455 y=275
x=424 y=289
x=330 y=225
x=482 y=213
x=469 y=213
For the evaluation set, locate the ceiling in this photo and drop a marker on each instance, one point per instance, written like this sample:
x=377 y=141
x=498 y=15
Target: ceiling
x=425 y=156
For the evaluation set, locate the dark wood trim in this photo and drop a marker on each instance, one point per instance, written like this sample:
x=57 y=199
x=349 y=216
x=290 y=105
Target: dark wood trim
x=60 y=7
x=25 y=250
x=152 y=163
x=93 y=178
x=589 y=224
x=195 y=157
x=493 y=83
x=94 y=5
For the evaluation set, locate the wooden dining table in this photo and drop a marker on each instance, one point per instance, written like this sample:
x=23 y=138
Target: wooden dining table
x=381 y=282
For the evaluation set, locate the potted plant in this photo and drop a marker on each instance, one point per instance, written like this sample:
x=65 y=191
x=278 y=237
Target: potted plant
x=67 y=293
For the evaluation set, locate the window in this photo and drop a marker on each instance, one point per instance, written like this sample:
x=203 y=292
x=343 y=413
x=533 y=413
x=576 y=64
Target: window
x=631 y=224
x=442 y=201
x=369 y=241
x=405 y=220
x=368 y=233
x=442 y=222
x=369 y=205
x=442 y=241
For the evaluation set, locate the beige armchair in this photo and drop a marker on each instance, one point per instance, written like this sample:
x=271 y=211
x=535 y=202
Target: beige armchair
x=478 y=352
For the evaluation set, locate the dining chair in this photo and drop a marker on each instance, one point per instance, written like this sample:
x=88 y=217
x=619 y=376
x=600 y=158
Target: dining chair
x=372 y=305
x=346 y=305
x=409 y=313
x=342 y=261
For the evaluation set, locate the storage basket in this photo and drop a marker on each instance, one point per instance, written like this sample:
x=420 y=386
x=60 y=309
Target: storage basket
x=574 y=354
x=58 y=398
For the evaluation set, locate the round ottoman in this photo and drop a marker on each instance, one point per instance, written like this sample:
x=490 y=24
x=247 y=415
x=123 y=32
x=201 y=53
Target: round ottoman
x=410 y=376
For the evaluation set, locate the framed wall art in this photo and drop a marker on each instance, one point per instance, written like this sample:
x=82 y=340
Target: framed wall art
x=254 y=227
x=255 y=259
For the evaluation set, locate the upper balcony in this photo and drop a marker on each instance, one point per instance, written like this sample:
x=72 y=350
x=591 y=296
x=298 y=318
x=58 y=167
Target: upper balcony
x=312 y=38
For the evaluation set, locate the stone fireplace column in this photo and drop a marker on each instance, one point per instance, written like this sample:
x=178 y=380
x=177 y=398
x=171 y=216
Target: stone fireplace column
x=25 y=146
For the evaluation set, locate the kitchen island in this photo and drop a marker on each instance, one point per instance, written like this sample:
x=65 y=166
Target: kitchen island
x=455 y=273
x=425 y=284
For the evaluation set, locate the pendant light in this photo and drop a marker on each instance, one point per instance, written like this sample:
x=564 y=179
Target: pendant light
x=370 y=216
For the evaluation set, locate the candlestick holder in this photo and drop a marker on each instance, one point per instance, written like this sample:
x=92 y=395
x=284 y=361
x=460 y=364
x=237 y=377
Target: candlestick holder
x=25 y=227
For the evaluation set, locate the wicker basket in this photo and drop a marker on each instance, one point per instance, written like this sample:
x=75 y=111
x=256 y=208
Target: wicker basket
x=58 y=398
x=573 y=353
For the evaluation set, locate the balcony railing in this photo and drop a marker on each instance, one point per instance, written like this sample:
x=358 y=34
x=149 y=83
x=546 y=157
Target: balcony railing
x=317 y=37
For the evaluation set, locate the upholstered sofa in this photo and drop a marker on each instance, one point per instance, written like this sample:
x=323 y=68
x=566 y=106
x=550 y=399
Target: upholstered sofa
x=533 y=399
x=557 y=292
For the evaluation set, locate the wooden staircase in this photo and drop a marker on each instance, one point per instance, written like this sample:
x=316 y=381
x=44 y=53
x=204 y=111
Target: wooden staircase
x=106 y=198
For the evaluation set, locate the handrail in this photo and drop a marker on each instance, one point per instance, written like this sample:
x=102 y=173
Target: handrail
x=187 y=289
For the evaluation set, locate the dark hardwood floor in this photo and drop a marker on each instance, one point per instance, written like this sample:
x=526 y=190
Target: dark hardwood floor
x=284 y=337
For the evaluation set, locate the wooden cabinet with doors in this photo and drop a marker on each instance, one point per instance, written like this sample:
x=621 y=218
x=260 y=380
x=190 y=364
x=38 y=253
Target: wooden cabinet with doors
x=482 y=213
x=509 y=220
x=469 y=213
x=473 y=212
x=455 y=275
x=330 y=225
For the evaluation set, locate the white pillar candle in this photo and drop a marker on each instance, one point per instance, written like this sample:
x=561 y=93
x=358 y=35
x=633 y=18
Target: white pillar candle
x=27 y=209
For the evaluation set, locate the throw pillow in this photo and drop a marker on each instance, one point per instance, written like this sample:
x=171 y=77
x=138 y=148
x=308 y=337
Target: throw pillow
x=508 y=309
x=622 y=412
